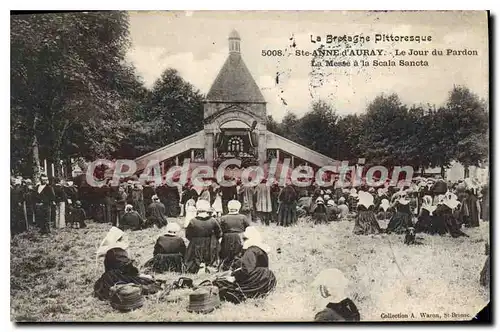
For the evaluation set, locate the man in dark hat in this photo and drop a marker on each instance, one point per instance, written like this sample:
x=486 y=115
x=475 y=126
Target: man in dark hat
x=228 y=193
x=17 y=214
x=44 y=199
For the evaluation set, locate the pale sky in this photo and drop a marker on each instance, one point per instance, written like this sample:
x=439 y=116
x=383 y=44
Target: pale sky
x=195 y=43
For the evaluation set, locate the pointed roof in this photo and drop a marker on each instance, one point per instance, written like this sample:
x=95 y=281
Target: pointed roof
x=234 y=83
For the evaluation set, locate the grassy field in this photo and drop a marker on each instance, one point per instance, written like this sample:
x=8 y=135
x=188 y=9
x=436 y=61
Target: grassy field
x=52 y=277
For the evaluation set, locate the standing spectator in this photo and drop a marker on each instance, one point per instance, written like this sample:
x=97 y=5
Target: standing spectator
x=172 y=201
x=188 y=193
x=263 y=203
x=29 y=193
x=78 y=216
x=247 y=200
x=148 y=191
x=287 y=212
x=228 y=193
x=17 y=199
x=275 y=191
x=44 y=199
x=485 y=202
x=71 y=193
x=138 y=200
x=120 y=202
x=108 y=204
x=60 y=204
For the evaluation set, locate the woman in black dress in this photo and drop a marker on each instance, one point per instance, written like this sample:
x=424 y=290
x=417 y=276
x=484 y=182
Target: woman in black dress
x=402 y=218
x=330 y=289
x=232 y=225
x=119 y=269
x=203 y=233
x=366 y=222
x=169 y=251
x=445 y=221
x=425 y=222
x=253 y=279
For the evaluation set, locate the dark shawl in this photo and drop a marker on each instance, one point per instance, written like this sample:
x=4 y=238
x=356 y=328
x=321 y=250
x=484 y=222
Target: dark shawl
x=120 y=270
x=344 y=311
x=254 y=279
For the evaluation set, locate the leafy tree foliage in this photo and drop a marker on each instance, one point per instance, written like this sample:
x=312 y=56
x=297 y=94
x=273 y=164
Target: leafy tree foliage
x=390 y=133
x=66 y=74
x=73 y=95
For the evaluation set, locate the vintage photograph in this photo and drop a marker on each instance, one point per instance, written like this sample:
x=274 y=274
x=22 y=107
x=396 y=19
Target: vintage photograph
x=249 y=166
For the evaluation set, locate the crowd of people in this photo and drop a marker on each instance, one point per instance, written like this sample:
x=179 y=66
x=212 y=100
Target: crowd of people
x=218 y=225
x=429 y=205
x=228 y=245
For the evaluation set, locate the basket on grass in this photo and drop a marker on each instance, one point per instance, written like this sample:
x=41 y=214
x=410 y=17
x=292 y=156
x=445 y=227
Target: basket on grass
x=126 y=297
x=204 y=299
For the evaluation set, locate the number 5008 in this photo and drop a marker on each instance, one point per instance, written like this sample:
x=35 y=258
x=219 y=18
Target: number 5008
x=272 y=52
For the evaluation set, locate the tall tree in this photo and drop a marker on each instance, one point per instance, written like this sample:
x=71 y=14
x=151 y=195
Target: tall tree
x=64 y=74
x=469 y=122
x=383 y=128
x=273 y=125
x=349 y=130
x=316 y=129
x=288 y=127
x=175 y=110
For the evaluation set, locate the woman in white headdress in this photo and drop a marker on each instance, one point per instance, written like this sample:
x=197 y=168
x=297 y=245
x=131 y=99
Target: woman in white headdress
x=319 y=213
x=232 y=225
x=253 y=279
x=131 y=220
x=330 y=290
x=169 y=251
x=425 y=222
x=190 y=212
x=366 y=222
x=445 y=221
x=203 y=233
x=402 y=218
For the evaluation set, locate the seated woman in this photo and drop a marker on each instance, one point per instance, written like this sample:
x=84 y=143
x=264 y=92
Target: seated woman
x=232 y=225
x=119 y=269
x=330 y=293
x=130 y=219
x=253 y=279
x=169 y=251
x=319 y=214
x=425 y=222
x=366 y=223
x=203 y=233
x=343 y=208
x=155 y=213
x=332 y=211
x=402 y=218
x=383 y=207
x=445 y=221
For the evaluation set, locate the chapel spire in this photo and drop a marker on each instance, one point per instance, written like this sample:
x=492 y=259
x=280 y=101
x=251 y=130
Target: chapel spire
x=234 y=42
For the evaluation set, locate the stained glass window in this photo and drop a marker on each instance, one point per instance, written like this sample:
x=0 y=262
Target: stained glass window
x=235 y=144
